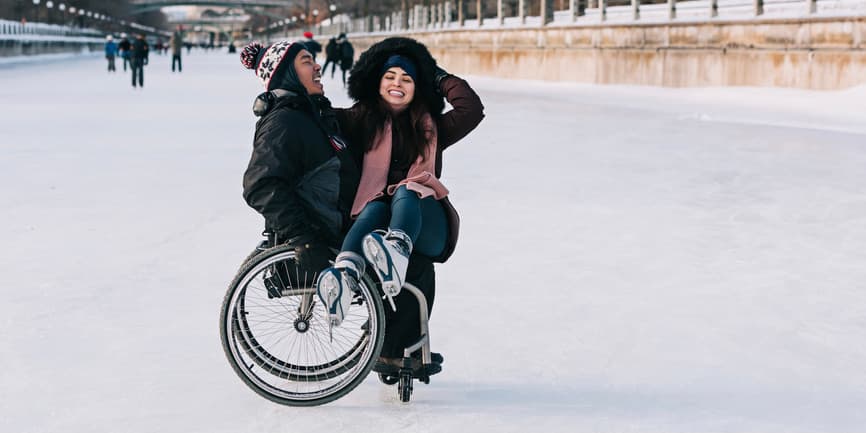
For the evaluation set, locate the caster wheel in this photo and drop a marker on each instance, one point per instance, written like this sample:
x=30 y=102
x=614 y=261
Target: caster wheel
x=404 y=388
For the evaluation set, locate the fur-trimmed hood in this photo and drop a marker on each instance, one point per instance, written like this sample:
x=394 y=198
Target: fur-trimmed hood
x=365 y=75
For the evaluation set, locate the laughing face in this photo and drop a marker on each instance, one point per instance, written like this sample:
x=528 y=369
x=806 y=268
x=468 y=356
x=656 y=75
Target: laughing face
x=397 y=88
x=309 y=73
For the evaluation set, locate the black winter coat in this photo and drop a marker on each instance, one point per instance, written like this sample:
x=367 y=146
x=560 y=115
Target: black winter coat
x=332 y=50
x=296 y=178
x=140 y=49
x=347 y=55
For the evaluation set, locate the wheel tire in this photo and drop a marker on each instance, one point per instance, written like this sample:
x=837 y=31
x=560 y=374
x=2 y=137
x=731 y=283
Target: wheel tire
x=228 y=322
x=249 y=257
x=278 y=367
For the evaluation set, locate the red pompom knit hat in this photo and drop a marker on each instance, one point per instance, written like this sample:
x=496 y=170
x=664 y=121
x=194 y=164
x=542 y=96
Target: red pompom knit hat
x=272 y=63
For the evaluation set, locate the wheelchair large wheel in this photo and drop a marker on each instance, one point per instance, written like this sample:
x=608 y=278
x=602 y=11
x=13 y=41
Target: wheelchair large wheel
x=275 y=333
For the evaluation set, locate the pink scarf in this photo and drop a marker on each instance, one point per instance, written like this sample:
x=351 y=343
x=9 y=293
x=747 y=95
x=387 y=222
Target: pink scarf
x=377 y=162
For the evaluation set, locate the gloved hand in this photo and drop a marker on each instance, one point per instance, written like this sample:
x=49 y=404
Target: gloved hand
x=313 y=256
x=439 y=74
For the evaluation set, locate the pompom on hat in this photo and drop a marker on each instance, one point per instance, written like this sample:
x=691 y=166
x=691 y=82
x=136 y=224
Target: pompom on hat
x=250 y=54
x=268 y=62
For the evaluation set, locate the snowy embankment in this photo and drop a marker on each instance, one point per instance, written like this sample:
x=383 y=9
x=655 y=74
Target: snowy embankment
x=631 y=259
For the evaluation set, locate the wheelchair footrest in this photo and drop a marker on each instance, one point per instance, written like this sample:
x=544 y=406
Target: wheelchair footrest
x=421 y=372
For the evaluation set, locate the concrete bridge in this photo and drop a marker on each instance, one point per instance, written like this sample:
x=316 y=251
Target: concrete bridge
x=140 y=6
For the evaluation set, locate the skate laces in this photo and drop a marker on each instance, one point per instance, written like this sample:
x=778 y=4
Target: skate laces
x=401 y=241
x=350 y=262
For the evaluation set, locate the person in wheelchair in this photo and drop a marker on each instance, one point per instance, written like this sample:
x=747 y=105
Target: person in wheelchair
x=401 y=209
x=301 y=178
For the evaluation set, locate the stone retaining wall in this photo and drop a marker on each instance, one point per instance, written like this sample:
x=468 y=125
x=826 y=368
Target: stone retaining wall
x=816 y=53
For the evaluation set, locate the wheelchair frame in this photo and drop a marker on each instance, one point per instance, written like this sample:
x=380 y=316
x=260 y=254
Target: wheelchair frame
x=237 y=336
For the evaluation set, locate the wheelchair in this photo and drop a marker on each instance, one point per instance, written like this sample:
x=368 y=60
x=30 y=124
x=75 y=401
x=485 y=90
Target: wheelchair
x=276 y=336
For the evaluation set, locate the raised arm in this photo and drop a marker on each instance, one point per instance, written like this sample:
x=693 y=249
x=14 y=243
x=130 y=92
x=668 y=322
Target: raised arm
x=466 y=115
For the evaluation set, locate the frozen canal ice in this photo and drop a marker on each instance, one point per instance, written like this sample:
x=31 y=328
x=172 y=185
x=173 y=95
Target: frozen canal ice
x=631 y=259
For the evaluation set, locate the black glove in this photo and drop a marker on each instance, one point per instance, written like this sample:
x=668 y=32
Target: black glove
x=313 y=256
x=439 y=74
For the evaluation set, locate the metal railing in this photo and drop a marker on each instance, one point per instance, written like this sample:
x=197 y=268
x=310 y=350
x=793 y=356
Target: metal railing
x=451 y=15
x=8 y=28
x=41 y=31
x=31 y=39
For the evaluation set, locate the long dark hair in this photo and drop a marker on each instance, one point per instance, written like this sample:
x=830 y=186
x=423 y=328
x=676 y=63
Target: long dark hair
x=412 y=132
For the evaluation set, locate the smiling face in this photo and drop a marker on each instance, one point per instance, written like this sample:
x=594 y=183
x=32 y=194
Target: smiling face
x=397 y=88
x=309 y=73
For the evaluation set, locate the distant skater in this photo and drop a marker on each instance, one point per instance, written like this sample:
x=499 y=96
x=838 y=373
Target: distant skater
x=139 y=56
x=312 y=46
x=125 y=50
x=347 y=55
x=110 y=52
x=176 y=43
x=332 y=56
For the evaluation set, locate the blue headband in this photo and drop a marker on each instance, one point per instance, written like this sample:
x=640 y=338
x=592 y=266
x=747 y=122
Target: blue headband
x=400 y=62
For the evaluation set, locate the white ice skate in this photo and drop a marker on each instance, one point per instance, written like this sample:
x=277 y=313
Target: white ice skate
x=389 y=254
x=336 y=285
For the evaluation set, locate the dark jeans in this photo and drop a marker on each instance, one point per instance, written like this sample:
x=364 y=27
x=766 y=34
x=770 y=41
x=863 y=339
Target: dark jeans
x=126 y=61
x=110 y=63
x=422 y=219
x=176 y=58
x=425 y=222
x=137 y=71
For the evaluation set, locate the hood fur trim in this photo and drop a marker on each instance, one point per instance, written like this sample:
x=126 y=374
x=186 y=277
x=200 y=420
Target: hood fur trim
x=366 y=74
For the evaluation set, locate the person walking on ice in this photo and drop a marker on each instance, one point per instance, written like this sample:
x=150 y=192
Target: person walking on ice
x=176 y=43
x=110 y=52
x=139 y=58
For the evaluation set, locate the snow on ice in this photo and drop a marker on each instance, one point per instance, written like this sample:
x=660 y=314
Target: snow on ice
x=632 y=259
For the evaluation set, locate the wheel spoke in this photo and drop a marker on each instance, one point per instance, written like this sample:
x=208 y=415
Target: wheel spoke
x=297 y=367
